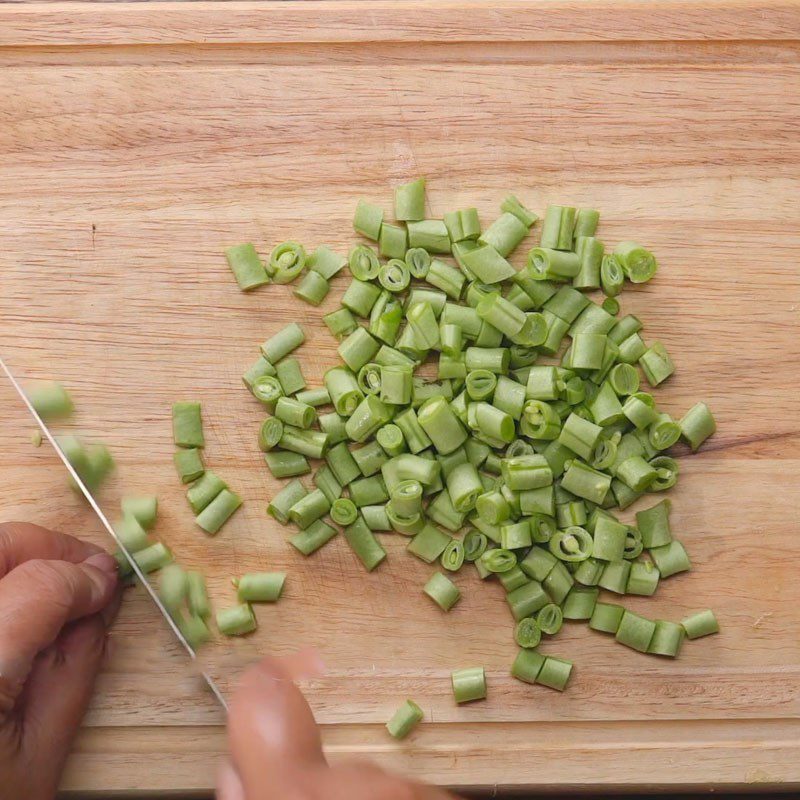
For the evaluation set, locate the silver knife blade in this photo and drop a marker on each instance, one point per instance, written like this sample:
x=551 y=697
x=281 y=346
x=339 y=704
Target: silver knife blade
x=103 y=519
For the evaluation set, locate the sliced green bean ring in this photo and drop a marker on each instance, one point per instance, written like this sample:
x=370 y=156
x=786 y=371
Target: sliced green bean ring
x=287 y=260
x=453 y=556
x=475 y=544
x=605 y=451
x=364 y=263
x=549 y=619
x=369 y=378
x=540 y=420
x=666 y=471
x=633 y=544
x=543 y=528
x=267 y=389
x=394 y=275
x=528 y=634
x=270 y=433
x=344 y=511
x=522 y=355
x=499 y=560
x=624 y=379
x=480 y=384
x=418 y=261
x=664 y=432
x=534 y=331
x=612 y=277
x=572 y=544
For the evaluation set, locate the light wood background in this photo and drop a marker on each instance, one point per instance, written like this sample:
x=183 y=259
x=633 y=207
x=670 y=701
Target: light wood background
x=139 y=140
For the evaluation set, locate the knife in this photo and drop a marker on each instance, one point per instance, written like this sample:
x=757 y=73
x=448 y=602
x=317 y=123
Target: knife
x=103 y=519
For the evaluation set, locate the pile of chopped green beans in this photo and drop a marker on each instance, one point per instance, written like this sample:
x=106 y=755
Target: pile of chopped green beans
x=511 y=460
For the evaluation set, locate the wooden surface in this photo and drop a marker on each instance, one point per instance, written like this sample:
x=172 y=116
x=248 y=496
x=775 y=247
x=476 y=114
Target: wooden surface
x=125 y=169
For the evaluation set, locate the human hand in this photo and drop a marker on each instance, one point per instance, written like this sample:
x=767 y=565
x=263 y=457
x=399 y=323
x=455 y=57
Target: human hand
x=276 y=752
x=58 y=596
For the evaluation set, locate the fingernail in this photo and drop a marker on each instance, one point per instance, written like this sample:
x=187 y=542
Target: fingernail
x=105 y=563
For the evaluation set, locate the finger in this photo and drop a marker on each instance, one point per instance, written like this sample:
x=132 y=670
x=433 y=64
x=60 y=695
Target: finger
x=58 y=691
x=38 y=598
x=229 y=787
x=271 y=728
x=21 y=541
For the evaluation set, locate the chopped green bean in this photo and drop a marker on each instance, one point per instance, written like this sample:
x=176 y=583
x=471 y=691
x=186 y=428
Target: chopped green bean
x=442 y=591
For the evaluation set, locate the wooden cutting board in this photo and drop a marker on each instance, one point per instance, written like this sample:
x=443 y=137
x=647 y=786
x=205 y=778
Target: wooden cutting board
x=138 y=140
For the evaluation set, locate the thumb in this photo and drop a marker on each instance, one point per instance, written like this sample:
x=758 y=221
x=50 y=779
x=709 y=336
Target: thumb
x=271 y=729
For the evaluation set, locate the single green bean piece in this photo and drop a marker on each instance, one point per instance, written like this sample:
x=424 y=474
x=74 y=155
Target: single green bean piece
x=341 y=323
x=236 y=620
x=635 y=631
x=197 y=595
x=404 y=720
x=50 y=400
x=442 y=591
x=313 y=537
x=393 y=241
x=283 y=342
x=284 y=464
x=656 y=364
x=314 y=397
x=430 y=234
x=606 y=617
x=545 y=264
x=611 y=305
x=343 y=389
x=364 y=544
x=670 y=559
x=376 y=518
x=505 y=233
x=309 y=443
x=667 y=639
x=653 y=524
x=154 y=557
x=446 y=278
x=615 y=576
x=189 y=464
x=590 y=253
x=428 y=544
x=580 y=603
x=409 y=200
x=418 y=261
x=527 y=665
x=143 y=508
x=463 y=224
x=700 y=624
x=370 y=458
x=358 y=349
x=309 y=508
x=325 y=262
x=394 y=275
x=643 y=578
x=187 y=425
x=487 y=264
x=638 y=264
x=469 y=684
x=452 y=556
x=527 y=634
x=131 y=533
x=258 y=370
x=246 y=266
x=326 y=482
x=342 y=464
x=555 y=673
x=293 y=412
x=360 y=297
x=260 y=587
x=368 y=220
x=697 y=424
x=218 y=511
x=204 y=490
x=313 y=289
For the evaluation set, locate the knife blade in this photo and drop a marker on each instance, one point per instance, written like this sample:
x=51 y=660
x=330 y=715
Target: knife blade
x=104 y=520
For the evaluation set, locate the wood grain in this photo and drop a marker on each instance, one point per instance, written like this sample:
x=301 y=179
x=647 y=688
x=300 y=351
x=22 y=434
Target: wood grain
x=126 y=169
